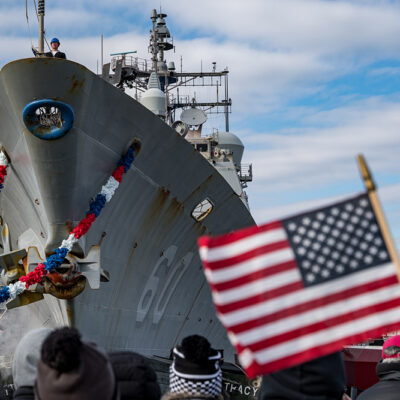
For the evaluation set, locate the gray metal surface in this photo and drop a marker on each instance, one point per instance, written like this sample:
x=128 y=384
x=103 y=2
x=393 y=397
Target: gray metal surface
x=157 y=293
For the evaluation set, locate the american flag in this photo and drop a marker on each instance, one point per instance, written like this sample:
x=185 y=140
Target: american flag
x=300 y=288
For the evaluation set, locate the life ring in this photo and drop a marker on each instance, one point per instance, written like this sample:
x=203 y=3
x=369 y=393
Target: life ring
x=63 y=112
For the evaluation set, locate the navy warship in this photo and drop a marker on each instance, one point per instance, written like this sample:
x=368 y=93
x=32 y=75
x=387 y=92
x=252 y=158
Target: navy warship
x=135 y=280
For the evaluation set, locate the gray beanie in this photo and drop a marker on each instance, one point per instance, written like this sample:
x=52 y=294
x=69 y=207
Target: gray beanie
x=26 y=357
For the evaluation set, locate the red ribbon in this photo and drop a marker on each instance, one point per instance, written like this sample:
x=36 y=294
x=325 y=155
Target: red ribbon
x=34 y=276
x=118 y=173
x=84 y=225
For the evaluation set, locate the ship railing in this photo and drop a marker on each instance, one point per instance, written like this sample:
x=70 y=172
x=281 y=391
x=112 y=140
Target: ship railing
x=133 y=62
x=245 y=172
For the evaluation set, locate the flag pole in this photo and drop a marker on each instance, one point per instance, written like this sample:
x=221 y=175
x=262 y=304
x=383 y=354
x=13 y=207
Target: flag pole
x=373 y=196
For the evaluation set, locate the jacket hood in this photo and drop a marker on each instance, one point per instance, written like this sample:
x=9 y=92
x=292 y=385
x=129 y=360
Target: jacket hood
x=26 y=357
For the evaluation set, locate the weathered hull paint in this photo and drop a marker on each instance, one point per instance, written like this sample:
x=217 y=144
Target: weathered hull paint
x=157 y=293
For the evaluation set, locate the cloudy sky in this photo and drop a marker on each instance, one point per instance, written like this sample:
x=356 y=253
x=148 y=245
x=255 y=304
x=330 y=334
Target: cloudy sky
x=313 y=82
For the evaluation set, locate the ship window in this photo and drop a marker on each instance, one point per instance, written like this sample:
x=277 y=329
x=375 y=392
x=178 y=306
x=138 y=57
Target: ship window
x=202 y=210
x=202 y=147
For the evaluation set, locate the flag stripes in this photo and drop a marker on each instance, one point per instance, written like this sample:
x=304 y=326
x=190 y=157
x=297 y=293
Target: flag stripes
x=276 y=318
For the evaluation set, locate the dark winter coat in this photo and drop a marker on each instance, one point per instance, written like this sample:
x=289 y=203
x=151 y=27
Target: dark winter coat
x=136 y=379
x=388 y=387
x=24 y=393
x=319 y=379
x=180 y=396
x=59 y=54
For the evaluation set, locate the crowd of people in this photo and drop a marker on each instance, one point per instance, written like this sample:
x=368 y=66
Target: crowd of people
x=58 y=364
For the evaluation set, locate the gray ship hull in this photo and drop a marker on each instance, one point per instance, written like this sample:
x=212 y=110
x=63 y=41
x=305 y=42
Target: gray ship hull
x=157 y=292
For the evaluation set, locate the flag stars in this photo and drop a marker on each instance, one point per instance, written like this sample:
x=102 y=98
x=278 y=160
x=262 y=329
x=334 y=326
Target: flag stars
x=369 y=215
x=368 y=259
x=335 y=255
x=296 y=239
x=316 y=246
x=301 y=251
x=340 y=224
x=310 y=278
x=336 y=241
x=325 y=273
x=316 y=269
x=340 y=246
x=373 y=250
x=369 y=236
x=320 y=216
x=349 y=207
x=331 y=241
x=374 y=228
x=363 y=203
x=306 y=221
x=354 y=241
x=353 y=264
x=358 y=254
x=330 y=220
x=358 y=211
x=315 y=224
x=345 y=237
x=349 y=251
x=383 y=255
x=339 y=269
x=311 y=234
x=336 y=232
x=325 y=229
x=345 y=216
x=325 y=251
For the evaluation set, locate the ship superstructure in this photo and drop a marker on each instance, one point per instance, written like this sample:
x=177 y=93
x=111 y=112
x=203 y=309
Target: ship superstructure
x=162 y=89
x=135 y=280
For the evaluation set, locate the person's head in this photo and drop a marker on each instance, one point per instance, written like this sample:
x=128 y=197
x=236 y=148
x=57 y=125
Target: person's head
x=26 y=357
x=391 y=349
x=195 y=369
x=135 y=376
x=72 y=369
x=55 y=44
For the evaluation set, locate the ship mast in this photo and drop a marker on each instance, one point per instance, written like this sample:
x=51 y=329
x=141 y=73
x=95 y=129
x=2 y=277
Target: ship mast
x=41 y=10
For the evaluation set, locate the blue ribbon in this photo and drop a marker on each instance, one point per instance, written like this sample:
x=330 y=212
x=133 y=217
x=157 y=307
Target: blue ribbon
x=97 y=205
x=4 y=294
x=55 y=260
x=127 y=160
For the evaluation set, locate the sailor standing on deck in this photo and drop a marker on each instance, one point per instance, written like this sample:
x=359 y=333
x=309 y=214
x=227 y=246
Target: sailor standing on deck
x=55 y=43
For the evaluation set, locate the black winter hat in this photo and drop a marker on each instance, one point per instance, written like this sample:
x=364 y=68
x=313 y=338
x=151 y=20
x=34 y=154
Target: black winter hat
x=135 y=376
x=71 y=369
x=196 y=368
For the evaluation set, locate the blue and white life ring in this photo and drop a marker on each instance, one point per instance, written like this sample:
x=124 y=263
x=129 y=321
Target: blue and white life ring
x=32 y=119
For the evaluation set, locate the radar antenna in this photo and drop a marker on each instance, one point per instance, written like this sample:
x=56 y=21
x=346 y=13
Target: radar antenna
x=41 y=12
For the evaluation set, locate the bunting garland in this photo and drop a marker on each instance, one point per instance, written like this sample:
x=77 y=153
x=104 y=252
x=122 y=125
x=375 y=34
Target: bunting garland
x=53 y=261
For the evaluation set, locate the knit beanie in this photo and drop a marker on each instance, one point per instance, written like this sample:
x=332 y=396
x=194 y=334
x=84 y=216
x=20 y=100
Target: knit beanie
x=71 y=369
x=391 y=349
x=195 y=369
x=26 y=357
x=135 y=376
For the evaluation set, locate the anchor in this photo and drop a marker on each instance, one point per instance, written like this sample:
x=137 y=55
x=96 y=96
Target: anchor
x=66 y=282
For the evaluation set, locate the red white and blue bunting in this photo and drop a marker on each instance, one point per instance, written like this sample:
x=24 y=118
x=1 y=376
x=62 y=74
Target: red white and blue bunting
x=12 y=290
